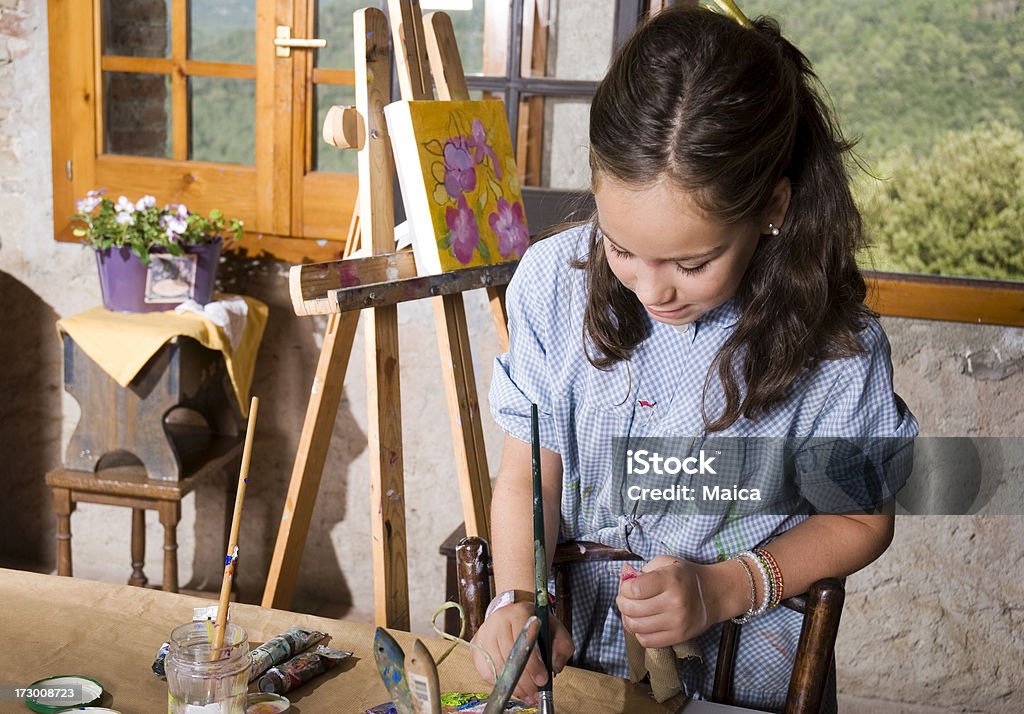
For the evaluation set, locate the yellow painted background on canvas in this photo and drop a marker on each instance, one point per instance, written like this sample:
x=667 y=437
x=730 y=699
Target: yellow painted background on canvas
x=447 y=146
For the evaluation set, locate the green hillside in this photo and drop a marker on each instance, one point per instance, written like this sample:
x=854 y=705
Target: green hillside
x=935 y=92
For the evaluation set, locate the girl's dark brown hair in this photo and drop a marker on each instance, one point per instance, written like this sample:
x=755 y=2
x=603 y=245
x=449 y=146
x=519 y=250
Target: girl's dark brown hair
x=725 y=112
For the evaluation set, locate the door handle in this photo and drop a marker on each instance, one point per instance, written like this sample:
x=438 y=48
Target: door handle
x=284 y=42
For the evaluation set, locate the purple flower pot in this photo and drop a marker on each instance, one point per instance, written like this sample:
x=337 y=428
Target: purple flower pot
x=129 y=286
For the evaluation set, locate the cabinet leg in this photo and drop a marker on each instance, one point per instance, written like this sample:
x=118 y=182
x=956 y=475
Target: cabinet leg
x=170 y=514
x=138 y=577
x=62 y=508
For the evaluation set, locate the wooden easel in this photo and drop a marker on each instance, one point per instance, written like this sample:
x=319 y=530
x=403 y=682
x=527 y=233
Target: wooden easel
x=342 y=288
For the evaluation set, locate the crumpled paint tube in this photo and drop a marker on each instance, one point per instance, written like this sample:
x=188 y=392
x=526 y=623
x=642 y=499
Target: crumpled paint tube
x=289 y=675
x=281 y=649
x=158 y=663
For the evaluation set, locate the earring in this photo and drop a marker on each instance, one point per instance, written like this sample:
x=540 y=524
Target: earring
x=773 y=230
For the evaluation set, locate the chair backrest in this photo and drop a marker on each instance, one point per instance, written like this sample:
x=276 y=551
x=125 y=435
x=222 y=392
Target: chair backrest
x=821 y=607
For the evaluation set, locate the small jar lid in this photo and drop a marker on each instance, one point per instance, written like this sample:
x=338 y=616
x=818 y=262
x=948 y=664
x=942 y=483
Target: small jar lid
x=265 y=703
x=58 y=694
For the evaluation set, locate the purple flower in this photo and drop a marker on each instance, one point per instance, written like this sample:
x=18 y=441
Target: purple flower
x=87 y=204
x=174 y=227
x=145 y=202
x=125 y=218
x=465 y=236
x=481 y=149
x=509 y=224
x=124 y=206
x=459 y=172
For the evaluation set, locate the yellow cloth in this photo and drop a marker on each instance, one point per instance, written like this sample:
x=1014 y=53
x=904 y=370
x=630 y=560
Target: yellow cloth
x=121 y=343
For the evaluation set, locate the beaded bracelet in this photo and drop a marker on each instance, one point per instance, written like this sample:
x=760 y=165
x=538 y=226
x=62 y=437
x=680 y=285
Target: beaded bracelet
x=745 y=617
x=776 y=575
x=766 y=581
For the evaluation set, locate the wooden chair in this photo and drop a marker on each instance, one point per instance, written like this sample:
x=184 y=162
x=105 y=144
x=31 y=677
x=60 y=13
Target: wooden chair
x=821 y=607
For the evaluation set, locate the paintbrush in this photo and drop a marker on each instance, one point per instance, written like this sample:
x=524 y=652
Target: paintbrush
x=513 y=669
x=232 y=556
x=540 y=563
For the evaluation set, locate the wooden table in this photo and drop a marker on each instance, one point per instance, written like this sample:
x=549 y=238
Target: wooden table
x=110 y=633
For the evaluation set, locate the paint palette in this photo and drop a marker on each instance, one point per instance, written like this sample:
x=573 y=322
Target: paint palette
x=459 y=703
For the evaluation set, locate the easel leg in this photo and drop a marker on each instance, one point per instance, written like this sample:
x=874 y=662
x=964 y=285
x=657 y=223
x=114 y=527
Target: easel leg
x=314 y=441
x=464 y=413
x=376 y=201
x=496 y=299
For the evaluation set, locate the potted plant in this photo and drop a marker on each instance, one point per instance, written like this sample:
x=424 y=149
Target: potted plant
x=152 y=258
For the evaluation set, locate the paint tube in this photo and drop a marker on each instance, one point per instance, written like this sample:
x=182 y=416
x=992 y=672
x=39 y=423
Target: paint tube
x=282 y=648
x=285 y=677
x=158 y=663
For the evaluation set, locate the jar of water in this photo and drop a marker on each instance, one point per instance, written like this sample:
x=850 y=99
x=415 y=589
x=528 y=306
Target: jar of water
x=202 y=679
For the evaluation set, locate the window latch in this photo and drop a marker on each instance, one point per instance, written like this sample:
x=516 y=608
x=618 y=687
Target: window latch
x=284 y=42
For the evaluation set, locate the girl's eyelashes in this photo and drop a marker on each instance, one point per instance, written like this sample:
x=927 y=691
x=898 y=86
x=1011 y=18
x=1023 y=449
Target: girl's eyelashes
x=619 y=253
x=691 y=271
x=616 y=250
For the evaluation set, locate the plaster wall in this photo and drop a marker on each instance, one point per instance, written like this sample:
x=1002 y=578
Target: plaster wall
x=935 y=625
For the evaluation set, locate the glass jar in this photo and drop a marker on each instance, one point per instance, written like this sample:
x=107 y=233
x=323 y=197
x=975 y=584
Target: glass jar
x=203 y=680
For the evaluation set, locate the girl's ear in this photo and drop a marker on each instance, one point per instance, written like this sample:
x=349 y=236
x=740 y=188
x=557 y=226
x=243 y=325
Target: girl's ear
x=778 y=206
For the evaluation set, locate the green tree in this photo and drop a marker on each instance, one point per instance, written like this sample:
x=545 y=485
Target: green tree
x=957 y=211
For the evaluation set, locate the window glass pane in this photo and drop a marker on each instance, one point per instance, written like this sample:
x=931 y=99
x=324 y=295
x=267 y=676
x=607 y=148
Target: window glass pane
x=935 y=97
x=565 y=161
x=222 y=31
x=579 y=40
x=136 y=28
x=137 y=114
x=325 y=156
x=469 y=33
x=222 y=126
x=334 y=24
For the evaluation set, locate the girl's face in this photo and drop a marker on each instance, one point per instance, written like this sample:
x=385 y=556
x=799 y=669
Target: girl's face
x=679 y=261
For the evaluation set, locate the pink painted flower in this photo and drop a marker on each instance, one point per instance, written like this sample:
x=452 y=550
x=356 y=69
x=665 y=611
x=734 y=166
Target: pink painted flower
x=509 y=224
x=465 y=236
x=459 y=171
x=481 y=149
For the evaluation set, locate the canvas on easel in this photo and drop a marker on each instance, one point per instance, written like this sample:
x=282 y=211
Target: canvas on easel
x=459 y=182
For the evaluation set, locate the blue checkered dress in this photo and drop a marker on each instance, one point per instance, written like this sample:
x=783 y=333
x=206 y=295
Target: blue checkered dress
x=658 y=394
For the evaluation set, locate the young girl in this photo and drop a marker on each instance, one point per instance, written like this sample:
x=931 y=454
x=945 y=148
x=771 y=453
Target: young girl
x=715 y=294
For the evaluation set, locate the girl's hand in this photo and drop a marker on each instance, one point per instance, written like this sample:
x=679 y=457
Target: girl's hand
x=499 y=633
x=664 y=605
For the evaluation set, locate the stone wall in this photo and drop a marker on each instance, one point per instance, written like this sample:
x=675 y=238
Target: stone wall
x=936 y=621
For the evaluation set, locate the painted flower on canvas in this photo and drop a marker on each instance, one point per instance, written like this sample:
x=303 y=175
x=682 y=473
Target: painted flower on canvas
x=509 y=224
x=465 y=236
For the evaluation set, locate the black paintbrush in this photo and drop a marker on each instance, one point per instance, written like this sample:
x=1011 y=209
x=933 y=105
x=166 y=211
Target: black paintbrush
x=545 y=700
